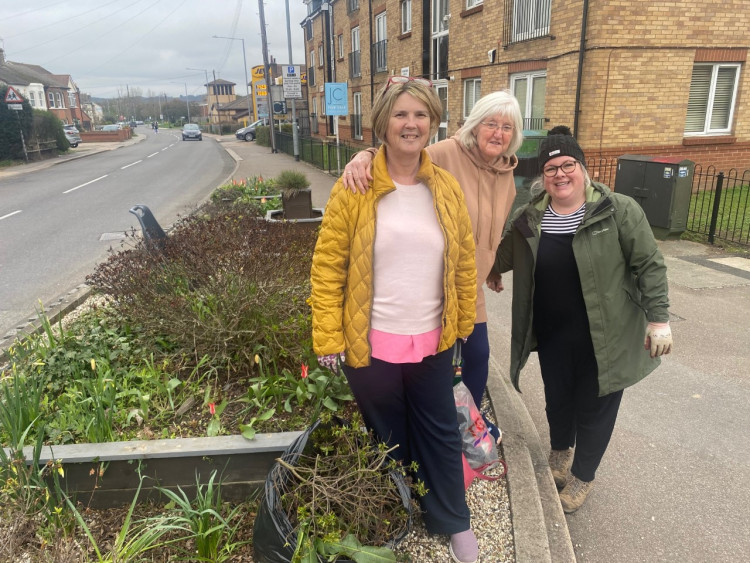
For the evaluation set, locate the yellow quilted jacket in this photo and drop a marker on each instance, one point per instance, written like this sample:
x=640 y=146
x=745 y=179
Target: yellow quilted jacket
x=341 y=272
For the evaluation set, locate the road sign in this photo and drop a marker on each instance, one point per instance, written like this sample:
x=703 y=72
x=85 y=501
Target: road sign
x=13 y=97
x=17 y=107
x=337 y=102
x=292 y=82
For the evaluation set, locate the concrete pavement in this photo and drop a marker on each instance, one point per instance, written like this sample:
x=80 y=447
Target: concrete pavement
x=673 y=485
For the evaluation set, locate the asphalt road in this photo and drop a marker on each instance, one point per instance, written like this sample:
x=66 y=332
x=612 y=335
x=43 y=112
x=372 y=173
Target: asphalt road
x=673 y=485
x=57 y=223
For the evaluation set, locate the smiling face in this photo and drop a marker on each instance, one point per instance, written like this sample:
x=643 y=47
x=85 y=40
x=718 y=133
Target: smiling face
x=492 y=141
x=408 y=126
x=567 y=189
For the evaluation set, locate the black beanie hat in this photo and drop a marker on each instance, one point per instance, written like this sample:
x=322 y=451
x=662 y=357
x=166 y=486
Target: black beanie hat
x=553 y=146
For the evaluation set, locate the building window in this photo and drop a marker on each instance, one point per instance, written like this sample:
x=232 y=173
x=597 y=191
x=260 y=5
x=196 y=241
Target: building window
x=473 y=3
x=51 y=97
x=357 y=115
x=71 y=99
x=311 y=69
x=355 y=57
x=321 y=58
x=32 y=99
x=713 y=93
x=340 y=42
x=530 y=19
x=308 y=30
x=472 y=92
x=530 y=89
x=440 y=24
x=352 y=5
x=58 y=100
x=405 y=16
x=380 y=46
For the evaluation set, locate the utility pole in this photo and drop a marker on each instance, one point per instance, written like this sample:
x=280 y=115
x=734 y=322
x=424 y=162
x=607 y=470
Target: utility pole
x=295 y=135
x=267 y=70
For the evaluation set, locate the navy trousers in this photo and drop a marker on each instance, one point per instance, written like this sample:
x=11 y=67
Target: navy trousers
x=577 y=416
x=412 y=406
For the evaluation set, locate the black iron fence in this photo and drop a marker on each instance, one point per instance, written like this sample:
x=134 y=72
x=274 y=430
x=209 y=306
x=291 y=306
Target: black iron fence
x=719 y=202
x=720 y=205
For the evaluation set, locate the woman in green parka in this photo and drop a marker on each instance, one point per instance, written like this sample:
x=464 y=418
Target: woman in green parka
x=589 y=282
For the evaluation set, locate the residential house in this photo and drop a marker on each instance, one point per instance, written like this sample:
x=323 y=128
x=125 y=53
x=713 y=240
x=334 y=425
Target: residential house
x=45 y=91
x=220 y=94
x=656 y=78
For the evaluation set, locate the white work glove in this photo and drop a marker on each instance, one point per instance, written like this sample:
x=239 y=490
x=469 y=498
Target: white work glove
x=331 y=361
x=658 y=339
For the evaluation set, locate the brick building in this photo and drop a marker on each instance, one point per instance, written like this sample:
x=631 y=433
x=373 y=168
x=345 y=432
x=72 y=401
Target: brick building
x=658 y=78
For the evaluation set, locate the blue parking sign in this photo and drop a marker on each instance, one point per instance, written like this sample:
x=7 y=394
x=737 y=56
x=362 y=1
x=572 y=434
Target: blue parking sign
x=337 y=102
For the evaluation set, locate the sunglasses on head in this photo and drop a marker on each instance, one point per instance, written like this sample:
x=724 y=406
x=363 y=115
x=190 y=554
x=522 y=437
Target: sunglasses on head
x=398 y=79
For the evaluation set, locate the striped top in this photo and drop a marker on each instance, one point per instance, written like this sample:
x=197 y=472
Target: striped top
x=556 y=224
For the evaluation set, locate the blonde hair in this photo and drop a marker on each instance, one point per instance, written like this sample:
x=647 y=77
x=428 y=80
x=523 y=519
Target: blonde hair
x=502 y=102
x=386 y=98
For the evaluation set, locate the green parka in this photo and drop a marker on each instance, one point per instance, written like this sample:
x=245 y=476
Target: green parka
x=341 y=273
x=623 y=280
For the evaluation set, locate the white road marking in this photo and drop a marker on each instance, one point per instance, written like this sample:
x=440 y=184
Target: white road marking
x=152 y=154
x=10 y=215
x=86 y=184
x=733 y=262
x=131 y=164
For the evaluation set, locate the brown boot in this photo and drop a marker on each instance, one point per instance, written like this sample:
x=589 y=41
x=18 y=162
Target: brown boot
x=559 y=463
x=574 y=494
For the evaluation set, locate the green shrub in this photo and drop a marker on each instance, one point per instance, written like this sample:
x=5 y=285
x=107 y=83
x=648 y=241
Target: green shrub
x=263 y=136
x=223 y=287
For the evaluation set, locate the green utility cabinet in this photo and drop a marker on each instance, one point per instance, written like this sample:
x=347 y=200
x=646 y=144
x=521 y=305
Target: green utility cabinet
x=661 y=186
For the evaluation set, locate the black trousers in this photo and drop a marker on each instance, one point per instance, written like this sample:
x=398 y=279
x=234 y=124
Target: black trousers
x=577 y=416
x=412 y=405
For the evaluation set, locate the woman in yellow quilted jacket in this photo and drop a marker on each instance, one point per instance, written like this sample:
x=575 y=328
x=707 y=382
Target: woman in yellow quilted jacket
x=393 y=287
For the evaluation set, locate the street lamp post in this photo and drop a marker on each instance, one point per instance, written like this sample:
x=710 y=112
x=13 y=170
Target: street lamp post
x=206 y=73
x=247 y=82
x=187 y=100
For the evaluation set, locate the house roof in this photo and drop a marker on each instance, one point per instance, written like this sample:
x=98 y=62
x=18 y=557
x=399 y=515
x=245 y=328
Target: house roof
x=222 y=81
x=24 y=74
x=239 y=103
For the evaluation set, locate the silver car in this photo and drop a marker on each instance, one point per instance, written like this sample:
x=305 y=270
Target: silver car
x=191 y=131
x=72 y=135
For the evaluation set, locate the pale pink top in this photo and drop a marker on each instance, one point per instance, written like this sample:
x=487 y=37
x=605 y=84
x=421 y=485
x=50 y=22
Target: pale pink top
x=407 y=276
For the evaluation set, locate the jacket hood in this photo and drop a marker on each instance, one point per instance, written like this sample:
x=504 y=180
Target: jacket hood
x=503 y=165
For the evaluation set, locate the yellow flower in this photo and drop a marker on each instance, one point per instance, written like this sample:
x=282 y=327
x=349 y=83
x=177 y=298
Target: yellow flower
x=93 y=364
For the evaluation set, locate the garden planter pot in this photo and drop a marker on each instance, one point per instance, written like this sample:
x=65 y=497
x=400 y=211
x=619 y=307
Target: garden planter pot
x=315 y=218
x=274 y=537
x=297 y=204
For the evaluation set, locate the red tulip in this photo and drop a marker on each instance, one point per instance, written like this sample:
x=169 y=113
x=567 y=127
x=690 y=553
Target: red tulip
x=304 y=371
x=212 y=408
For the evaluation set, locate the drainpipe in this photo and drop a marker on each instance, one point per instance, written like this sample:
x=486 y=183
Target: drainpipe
x=372 y=73
x=584 y=23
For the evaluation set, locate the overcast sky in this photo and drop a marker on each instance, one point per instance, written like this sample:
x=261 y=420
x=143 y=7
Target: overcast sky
x=108 y=46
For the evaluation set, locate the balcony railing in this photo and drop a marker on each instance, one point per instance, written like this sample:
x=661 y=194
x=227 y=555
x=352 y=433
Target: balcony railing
x=526 y=20
x=352 y=6
x=380 y=55
x=355 y=64
x=534 y=123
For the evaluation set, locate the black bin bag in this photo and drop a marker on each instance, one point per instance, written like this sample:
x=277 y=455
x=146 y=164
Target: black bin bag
x=274 y=538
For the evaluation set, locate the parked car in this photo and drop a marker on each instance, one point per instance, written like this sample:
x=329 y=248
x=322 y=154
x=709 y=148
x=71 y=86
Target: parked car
x=72 y=134
x=133 y=124
x=191 y=131
x=113 y=127
x=248 y=133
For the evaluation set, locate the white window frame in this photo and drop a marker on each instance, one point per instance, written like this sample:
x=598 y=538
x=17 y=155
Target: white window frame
x=527 y=101
x=357 y=110
x=72 y=99
x=472 y=93
x=355 y=39
x=32 y=98
x=340 y=40
x=59 y=100
x=440 y=26
x=473 y=3
x=531 y=19
x=405 y=16
x=321 y=58
x=704 y=103
x=381 y=27
x=51 y=99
